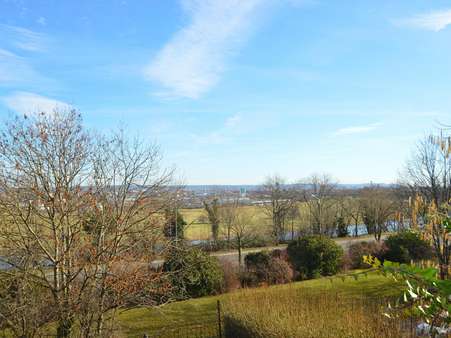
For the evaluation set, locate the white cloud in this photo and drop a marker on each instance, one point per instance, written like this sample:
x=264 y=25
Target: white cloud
x=24 y=39
x=214 y=137
x=194 y=59
x=232 y=121
x=226 y=133
x=434 y=21
x=30 y=103
x=15 y=69
x=356 y=129
x=42 y=21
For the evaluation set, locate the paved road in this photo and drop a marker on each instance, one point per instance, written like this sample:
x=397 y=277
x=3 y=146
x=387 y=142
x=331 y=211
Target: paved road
x=232 y=256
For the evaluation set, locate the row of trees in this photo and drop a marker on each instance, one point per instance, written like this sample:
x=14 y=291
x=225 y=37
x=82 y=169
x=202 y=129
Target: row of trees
x=315 y=207
x=328 y=210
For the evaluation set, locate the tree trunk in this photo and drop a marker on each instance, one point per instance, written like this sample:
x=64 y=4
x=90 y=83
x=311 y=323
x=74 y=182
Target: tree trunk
x=378 y=233
x=443 y=272
x=64 y=329
x=239 y=253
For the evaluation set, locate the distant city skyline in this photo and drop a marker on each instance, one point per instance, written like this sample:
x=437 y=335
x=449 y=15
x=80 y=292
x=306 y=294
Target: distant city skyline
x=235 y=91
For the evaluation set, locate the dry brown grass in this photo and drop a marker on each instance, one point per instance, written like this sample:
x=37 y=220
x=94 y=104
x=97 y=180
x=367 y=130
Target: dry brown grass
x=302 y=312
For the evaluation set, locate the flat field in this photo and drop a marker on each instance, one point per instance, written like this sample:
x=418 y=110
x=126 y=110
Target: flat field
x=198 y=227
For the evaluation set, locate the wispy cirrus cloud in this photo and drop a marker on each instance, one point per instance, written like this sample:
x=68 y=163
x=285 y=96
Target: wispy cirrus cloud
x=42 y=21
x=24 y=39
x=17 y=48
x=232 y=121
x=221 y=135
x=194 y=59
x=31 y=103
x=434 y=21
x=15 y=69
x=356 y=129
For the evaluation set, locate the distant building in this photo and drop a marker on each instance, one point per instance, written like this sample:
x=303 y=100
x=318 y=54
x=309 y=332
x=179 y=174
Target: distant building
x=242 y=192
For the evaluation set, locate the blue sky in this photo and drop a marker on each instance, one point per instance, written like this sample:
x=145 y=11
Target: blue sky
x=235 y=90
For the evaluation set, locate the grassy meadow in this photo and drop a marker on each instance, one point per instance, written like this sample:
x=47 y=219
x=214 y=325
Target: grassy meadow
x=199 y=228
x=303 y=312
x=316 y=300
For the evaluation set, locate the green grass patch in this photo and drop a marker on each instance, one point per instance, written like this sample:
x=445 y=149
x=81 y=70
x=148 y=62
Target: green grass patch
x=136 y=322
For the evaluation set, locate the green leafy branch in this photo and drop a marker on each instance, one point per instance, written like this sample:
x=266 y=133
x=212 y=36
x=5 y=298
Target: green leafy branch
x=427 y=296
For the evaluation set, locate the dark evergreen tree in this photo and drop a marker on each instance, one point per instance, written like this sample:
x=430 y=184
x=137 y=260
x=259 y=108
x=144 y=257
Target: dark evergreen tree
x=174 y=227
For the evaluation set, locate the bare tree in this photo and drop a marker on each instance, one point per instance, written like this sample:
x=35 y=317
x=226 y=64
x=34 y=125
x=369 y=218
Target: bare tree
x=428 y=171
x=430 y=206
x=354 y=211
x=293 y=216
x=242 y=229
x=319 y=197
x=377 y=207
x=437 y=229
x=79 y=218
x=344 y=214
x=281 y=200
x=227 y=215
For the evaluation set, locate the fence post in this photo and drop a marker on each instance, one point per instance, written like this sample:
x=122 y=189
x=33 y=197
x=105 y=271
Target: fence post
x=219 y=319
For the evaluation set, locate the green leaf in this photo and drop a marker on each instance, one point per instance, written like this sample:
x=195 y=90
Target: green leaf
x=412 y=294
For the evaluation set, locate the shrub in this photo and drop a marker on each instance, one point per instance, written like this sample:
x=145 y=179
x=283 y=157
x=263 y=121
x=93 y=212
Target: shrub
x=280 y=253
x=406 y=246
x=192 y=272
x=314 y=256
x=279 y=272
x=257 y=260
x=263 y=267
x=249 y=279
x=231 y=276
x=358 y=250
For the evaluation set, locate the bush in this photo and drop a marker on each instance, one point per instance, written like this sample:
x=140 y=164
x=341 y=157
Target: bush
x=193 y=273
x=263 y=267
x=280 y=253
x=314 y=256
x=279 y=272
x=257 y=260
x=231 y=276
x=249 y=279
x=358 y=250
x=406 y=246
